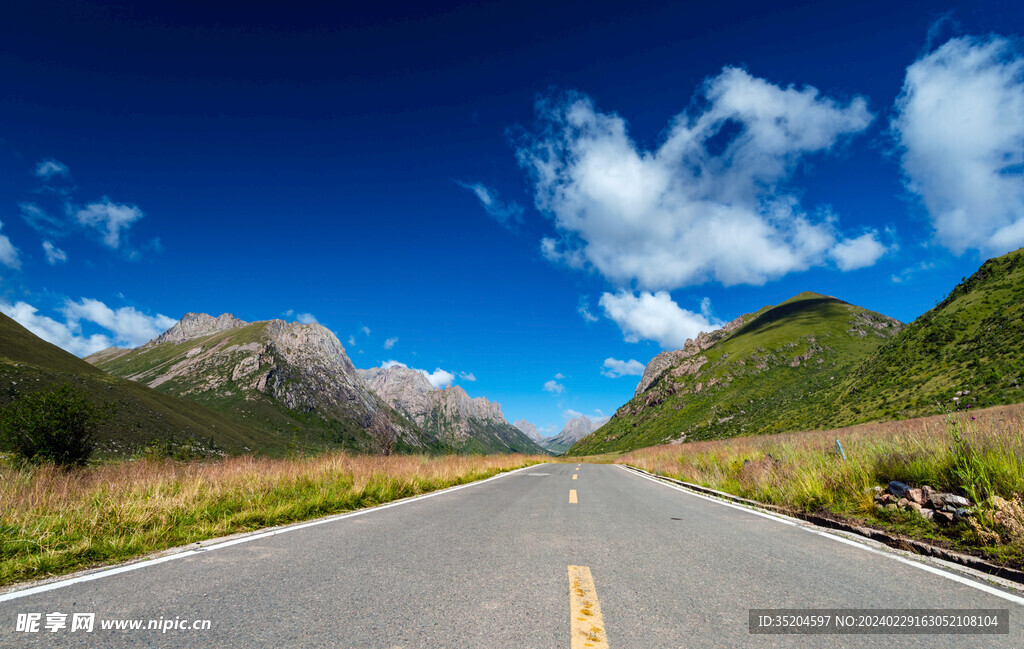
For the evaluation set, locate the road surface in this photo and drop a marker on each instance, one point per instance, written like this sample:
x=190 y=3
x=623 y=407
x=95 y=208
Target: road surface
x=535 y=558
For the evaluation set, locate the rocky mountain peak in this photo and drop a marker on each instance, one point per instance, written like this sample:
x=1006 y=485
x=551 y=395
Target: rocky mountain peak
x=691 y=348
x=529 y=430
x=197 y=325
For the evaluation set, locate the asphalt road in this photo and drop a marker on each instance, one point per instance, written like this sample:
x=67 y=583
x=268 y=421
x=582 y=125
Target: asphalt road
x=489 y=565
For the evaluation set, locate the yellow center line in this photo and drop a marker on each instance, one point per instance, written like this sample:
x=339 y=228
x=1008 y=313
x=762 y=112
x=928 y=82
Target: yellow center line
x=572 y=496
x=584 y=611
x=574 y=476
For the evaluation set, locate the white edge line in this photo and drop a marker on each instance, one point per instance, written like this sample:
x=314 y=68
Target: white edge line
x=145 y=563
x=712 y=499
x=916 y=564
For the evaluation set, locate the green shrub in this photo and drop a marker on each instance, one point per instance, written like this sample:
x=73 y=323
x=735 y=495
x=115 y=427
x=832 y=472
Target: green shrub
x=56 y=425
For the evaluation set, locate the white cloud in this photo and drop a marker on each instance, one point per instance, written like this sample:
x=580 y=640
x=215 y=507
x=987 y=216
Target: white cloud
x=366 y=330
x=614 y=368
x=908 y=273
x=709 y=204
x=352 y=341
x=569 y=413
x=584 y=310
x=467 y=376
x=47 y=169
x=54 y=255
x=958 y=121
x=110 y=219
x=507 y=214
x=40 y=220
x=129 y=326
x=8 y=253
x=559 y=376
x=861 y=252
x=390 y=342
x=656 y=316
x=554 y=387
x=438 y=378
x=64 y=335
x=306 y=318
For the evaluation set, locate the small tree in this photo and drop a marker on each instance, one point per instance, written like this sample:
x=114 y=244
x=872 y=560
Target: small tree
x=56 y=425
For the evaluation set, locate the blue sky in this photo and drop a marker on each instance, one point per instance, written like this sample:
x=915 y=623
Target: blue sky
x=534 y=200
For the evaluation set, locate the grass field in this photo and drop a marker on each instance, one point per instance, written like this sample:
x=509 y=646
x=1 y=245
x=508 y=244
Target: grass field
x=53 y=522
x=979 y=455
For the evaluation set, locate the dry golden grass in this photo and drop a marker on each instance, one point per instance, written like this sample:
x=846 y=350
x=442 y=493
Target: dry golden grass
x=54 y=521
x=978 y=454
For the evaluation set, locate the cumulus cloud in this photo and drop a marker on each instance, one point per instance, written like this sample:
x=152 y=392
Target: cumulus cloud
x=467 y=376
x=559 y=376
x=657 y=317
x=352 y=341
x=958 y=122
x=128 y=325
x=48 y=169
x=508 y=215
x=390 y=342
x=614 y=368
x=709 y=204
x=8 y=253
x=303 y=318
x=554 y=387
x=54 y=255
x=125 y=326
x=861 y=252
x=66 y=336
x=438 y=378
x=109 y=219
x=366 y=330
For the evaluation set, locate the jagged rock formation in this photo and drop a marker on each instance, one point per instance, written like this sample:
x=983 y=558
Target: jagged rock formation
x=691 y=348
x=197 y=325
x=292 y=378
x=466 y=424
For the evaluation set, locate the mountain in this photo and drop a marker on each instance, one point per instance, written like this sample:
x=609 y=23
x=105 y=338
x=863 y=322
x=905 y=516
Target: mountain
x=968 y=350
x=139 y=417
x=290 y=380
x=574 y=430
x=465 y=424
x=528 y=429
x=764 y=372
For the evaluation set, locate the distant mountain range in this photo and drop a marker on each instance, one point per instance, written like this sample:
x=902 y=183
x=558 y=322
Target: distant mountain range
x=574 y=430
x=817 y=362
x=450 y=415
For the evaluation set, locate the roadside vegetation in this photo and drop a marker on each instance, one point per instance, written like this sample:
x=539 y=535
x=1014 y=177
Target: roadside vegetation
x=975 y=454
x=56 y=520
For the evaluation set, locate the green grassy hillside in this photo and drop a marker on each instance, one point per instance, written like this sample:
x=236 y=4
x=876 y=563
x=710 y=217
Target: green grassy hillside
x=140 y=416
x=767 y=376
x=968 y=350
